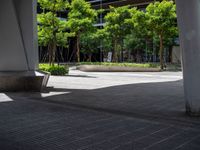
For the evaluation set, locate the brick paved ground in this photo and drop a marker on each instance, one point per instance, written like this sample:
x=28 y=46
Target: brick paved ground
x=99 y=111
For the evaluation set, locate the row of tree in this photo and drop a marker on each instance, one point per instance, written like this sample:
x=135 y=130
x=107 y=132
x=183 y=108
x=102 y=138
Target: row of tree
x=125 y=28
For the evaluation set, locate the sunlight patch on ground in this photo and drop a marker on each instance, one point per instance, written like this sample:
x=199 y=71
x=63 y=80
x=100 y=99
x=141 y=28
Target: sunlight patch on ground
x=78 y=80
x=5 y=98
x=53 y=94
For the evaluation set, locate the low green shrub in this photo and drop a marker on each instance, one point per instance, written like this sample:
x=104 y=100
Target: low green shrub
x=54 y=70
x=135 y=65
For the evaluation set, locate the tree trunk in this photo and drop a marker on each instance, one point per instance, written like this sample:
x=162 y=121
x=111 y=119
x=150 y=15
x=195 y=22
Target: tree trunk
x=53 y=52
x=114 y=53
x=122 y=52
x=84 y=57
x=78 y=48
x=90 y=57
x=72 y=57
x=161 y=52
x=50 y=53
x=54 y=41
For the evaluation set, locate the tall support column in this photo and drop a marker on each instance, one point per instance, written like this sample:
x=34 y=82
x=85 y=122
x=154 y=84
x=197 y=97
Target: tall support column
x=18 y=46
x=188 y=12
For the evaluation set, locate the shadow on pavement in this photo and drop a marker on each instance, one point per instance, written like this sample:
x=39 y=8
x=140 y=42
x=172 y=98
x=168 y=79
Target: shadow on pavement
x=161 y=101
x=128 y=117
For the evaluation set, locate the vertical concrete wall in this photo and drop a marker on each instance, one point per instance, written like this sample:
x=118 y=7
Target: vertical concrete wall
x=188 y=12
x=18 y=35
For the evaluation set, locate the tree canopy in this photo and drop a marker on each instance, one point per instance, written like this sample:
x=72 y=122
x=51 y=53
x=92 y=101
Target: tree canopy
x=125 y=28
x=81 y=18
x=162 y=21
x=51 y=29
x=117 y=26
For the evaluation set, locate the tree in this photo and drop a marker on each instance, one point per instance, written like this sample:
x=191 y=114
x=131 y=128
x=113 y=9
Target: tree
x=162 y=21
x=134 y=45
x=117 y=27
x=105 y=41
x=92 y=42
x=89 y=45
x=51 y=29
x=81 y=18
x=136 y=40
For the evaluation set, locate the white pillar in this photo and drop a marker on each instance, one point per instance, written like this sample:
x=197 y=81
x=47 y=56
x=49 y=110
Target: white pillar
x=18 y=35
x=188 y=12
x=18 y=45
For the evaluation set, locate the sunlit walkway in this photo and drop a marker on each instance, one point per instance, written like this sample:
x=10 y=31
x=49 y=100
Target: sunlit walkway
x=100 y=111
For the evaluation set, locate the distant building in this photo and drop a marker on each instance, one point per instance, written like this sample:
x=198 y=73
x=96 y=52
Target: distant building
x=117 y=3
x=105 y=4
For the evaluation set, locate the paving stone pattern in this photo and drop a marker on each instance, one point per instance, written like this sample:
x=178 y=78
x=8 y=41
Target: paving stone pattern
x=82 y=119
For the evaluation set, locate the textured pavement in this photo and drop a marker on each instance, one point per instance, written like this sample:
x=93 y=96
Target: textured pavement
x=100 y=111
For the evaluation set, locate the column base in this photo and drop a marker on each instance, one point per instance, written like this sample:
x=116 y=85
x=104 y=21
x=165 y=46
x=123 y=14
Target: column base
x=23 y=81
x=192 y=113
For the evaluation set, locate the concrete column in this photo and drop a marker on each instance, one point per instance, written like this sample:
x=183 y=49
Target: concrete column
x=18 y=46
x=188 y=12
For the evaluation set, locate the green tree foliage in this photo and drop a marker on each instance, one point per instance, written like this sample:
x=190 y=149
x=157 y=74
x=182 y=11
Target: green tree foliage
x=161 y=20
x=125 y=28
x=134 y=45
x=105 y=41
x=117 y=27
x=81 y=18
x=138 y=22
x=91 y=43
x=135 y=41
x=51 y=29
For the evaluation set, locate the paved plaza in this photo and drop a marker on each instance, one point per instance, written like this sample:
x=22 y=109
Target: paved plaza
x=100 y=111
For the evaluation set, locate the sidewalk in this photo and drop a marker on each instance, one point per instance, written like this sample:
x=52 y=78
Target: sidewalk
x=100 y=111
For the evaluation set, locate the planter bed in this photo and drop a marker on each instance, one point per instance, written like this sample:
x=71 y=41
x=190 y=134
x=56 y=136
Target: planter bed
x=101 y=68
